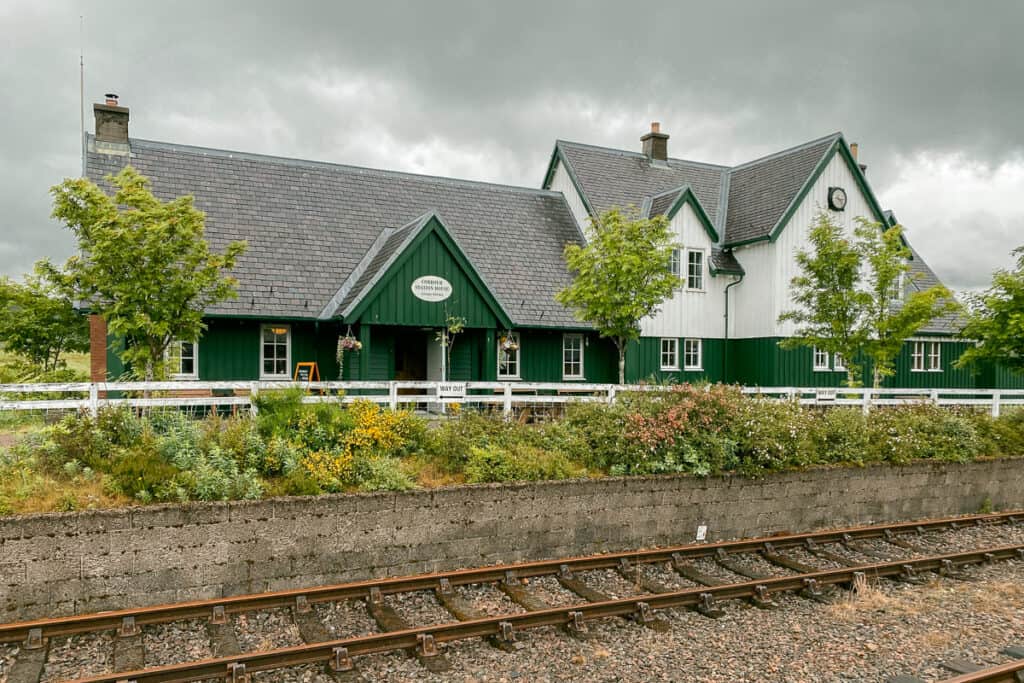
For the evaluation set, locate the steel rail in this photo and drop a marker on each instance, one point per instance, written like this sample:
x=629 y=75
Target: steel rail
x=159 y=614
x=1011 y=672
x=502 y=625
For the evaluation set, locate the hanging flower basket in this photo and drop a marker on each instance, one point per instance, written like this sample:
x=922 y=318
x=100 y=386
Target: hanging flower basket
x=346 y=343
x=508 y=343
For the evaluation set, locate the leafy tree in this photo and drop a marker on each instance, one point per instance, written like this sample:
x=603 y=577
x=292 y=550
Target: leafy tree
x=829 y=303
x=996 y=320
x=39 y=323
x=851 y=300
x=621 y=275
x=143 y=264
x=893 y=313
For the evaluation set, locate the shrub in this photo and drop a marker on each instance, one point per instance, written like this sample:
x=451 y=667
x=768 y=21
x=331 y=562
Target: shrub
x=773 y=435
x=331 y=470
x=517 y=463
x=142 y=474
x=923 y=431
x=841 y=435
x=380 y=473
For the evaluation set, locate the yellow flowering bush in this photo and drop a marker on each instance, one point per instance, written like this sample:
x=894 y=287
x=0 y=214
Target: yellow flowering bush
x=331 y=470
x=377 y=430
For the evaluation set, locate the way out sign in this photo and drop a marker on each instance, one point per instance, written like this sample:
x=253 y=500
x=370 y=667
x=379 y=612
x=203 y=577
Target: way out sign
x=451 y=390
x=431 y=288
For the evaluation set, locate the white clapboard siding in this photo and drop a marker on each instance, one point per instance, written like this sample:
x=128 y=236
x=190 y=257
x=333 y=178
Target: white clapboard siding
x=561 y=182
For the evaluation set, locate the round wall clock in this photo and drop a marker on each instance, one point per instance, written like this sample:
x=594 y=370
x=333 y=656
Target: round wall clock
x=836 y=198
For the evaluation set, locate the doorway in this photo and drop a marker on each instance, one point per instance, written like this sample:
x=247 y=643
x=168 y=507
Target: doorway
x=411 y=355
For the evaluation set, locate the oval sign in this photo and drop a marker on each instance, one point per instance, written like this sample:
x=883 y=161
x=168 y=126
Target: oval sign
x=431 y=288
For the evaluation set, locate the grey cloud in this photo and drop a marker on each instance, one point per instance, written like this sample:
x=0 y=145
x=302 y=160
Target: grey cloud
x=490 y=86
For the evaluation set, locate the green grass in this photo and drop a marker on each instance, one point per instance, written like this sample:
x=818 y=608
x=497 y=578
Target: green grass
x=78 y=362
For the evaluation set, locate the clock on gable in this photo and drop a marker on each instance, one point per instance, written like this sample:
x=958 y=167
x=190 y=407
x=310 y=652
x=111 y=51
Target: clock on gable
x=836 y=198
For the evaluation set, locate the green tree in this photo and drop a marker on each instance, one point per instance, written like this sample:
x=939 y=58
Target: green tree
x=829 y=304
x=143 y=264
x=896 y=307
x=996 y=320
x=621 y=275
x=39 y=323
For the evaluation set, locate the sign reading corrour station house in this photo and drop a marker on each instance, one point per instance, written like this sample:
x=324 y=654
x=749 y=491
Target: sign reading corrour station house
x=431 y=288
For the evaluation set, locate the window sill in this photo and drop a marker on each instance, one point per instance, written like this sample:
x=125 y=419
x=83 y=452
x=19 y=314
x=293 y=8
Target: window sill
x=696 y=291
x=575 y=378
x=824 y=370
x=670 y=369
x=275 y=378
x=509 y=378
x=693 y=369
x=184 y=378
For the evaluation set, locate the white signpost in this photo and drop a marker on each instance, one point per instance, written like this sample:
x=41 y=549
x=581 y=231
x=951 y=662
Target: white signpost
x=431 y=288
x=451 y=390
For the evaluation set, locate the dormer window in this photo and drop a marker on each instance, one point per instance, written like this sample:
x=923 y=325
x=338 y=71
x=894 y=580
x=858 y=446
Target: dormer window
x=695 y=270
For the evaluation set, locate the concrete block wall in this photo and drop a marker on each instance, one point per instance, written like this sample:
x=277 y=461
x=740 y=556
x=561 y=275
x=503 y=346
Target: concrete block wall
x=69 y=563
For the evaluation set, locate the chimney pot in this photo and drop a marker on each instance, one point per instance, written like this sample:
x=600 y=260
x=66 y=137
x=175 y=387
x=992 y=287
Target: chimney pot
x=853 y=150
x=655 y=143
x=111 y=99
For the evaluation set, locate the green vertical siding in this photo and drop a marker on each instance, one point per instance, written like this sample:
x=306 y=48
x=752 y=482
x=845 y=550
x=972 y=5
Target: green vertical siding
x=540 y=357
x=643 y=362
x=230 y=348
x=391 y=302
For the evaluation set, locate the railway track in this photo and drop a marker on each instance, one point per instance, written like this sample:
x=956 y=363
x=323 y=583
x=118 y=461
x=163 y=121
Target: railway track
x=1008 y=672
x=812 y=564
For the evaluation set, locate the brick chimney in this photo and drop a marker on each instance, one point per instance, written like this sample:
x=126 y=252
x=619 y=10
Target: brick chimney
x=111 y=120
x=655 y=143
x=854 y=149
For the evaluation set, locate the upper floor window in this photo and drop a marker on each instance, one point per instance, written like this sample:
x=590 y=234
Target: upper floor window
x=669 y=354
x=692 y=354
x=275 y=351
x=508 y=356
x=896 y=293
x=572 y=356
x=694 y=269
x=675 y=262
x=182 y=359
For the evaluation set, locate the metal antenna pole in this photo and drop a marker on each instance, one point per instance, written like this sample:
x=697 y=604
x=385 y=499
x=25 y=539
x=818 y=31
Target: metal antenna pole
x=81 y=76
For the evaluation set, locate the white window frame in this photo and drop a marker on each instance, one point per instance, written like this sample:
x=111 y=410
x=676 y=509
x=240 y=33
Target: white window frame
x=838 y=364
x=518 y=357
x=703 y=269
x=195 y=360
x=287 y=353
x=933 y=361
x=820 y=360
x=578 y=338
x=675 y=263
x=917 y=356
x=687 y=365
x=674 y=364
x=896 y=295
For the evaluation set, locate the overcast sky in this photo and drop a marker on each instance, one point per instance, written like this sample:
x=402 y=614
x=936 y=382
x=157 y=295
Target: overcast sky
x=932 y=91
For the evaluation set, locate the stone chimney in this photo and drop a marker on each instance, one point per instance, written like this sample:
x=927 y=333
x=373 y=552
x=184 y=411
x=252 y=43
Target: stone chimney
x=655 y=143
x=111 y=120
x=854 y=148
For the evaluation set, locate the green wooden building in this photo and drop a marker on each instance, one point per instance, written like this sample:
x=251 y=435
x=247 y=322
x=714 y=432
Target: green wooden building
x=378 y=261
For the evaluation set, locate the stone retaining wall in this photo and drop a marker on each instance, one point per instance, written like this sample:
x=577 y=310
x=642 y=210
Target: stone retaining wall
x=67 y=563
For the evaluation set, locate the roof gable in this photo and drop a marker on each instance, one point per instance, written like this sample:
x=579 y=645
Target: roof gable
x=381 y=293
x=669 y=203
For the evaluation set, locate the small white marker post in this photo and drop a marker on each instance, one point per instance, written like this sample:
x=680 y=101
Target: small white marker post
x=702 y=532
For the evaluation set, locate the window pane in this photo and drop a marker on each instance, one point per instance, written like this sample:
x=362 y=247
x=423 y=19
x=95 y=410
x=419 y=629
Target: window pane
x=187 y=366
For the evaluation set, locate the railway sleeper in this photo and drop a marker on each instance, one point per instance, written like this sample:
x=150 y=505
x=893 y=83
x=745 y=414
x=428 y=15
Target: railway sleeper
x=388 y=619
x=28 y=665
x=761 y=598
x=312 y=630
x=643 y=615
x=463 y=610
x=812 y=547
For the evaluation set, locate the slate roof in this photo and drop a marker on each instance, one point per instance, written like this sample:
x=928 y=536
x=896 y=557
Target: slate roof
x=922 y=277
x=309 y=226
x=743 y=202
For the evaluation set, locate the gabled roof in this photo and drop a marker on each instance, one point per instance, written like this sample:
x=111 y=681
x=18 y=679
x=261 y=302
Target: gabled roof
x=311 y=227
x=668 y=204
x=745 y=203
x=922 y=277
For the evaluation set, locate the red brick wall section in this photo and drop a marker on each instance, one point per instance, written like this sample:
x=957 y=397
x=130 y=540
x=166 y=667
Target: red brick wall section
x=97 y=348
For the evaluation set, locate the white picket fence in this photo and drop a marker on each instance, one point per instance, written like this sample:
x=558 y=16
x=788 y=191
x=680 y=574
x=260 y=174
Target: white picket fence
x=436 y=395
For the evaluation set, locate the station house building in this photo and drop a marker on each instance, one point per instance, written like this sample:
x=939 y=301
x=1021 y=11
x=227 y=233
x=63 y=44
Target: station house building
x=376 y=261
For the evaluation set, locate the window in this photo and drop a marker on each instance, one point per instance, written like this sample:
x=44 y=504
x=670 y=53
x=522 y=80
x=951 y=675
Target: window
x=838 y=364
x=896 y=293
x=675 y=263
x=692 y=354
x=669 y=354
x=181 y=359
x=694 y=269
x=934 y=357
x=917 y=357
x=820 y=360
x=508 y=356
x=572 y=356
x=275 y=351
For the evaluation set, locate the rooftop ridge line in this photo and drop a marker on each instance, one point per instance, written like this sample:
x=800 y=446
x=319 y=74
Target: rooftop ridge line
x=310 y=163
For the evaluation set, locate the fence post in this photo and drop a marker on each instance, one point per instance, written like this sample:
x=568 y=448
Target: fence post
x=507 y=407
x=611 y=395
x=865 y=398
x=935 y=396
x=995 y=404
x=94 y=399
x=393 y=395
x=254 y=391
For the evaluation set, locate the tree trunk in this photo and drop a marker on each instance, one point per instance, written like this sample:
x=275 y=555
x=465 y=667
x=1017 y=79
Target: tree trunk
x=620 y=343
